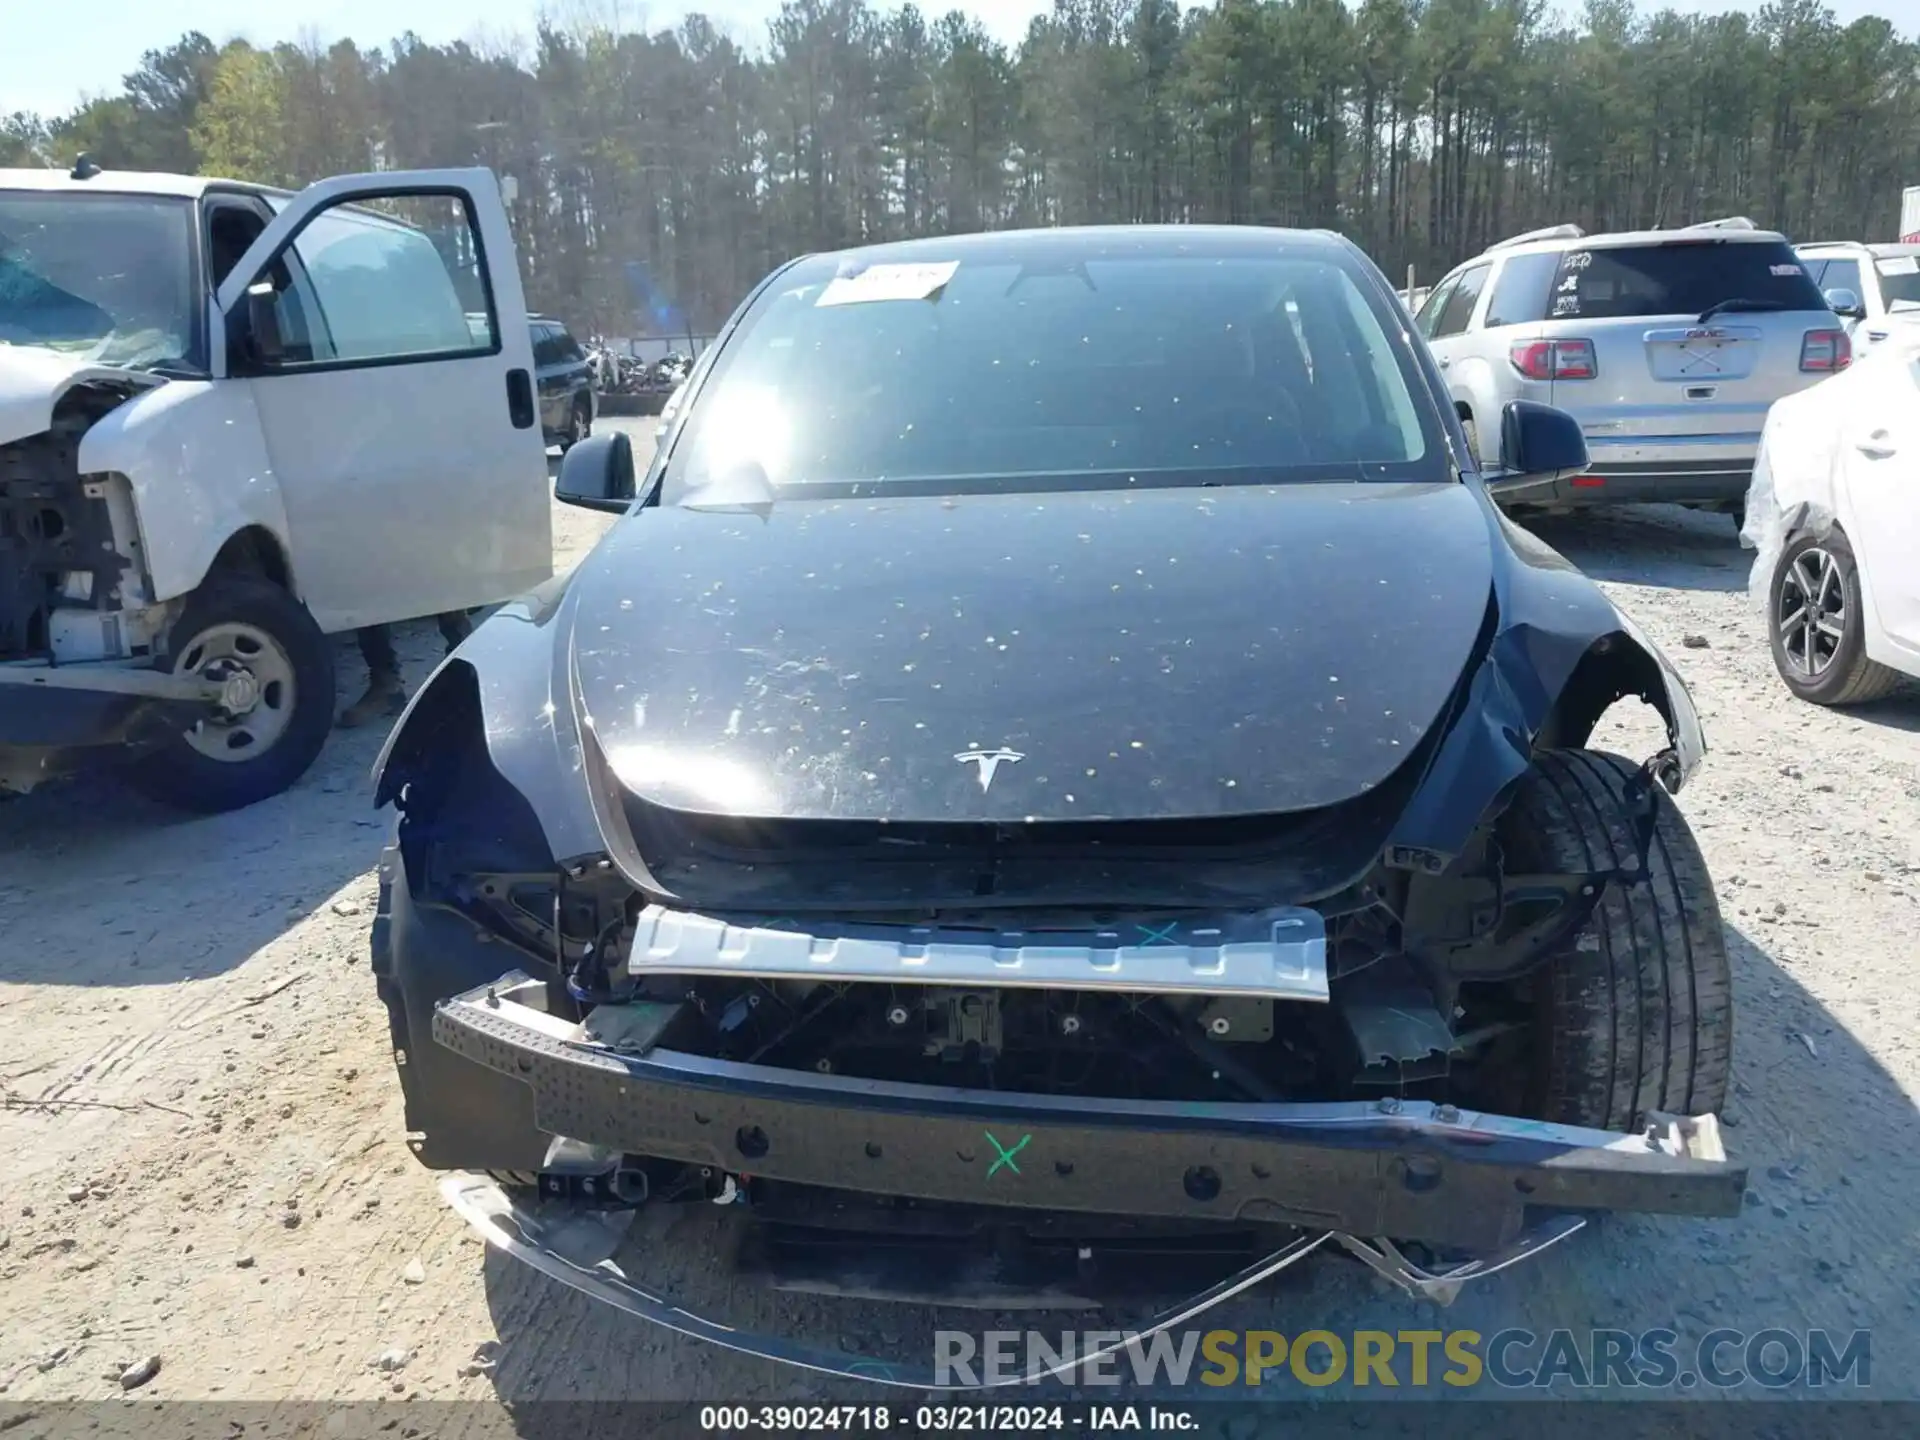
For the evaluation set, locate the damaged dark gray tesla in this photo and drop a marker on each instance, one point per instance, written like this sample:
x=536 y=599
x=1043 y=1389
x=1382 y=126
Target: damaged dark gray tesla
x=1058 y=770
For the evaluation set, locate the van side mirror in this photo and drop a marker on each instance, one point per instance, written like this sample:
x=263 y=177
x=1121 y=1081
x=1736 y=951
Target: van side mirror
x=1540 y=442
x=264 y=342
x=597 y=474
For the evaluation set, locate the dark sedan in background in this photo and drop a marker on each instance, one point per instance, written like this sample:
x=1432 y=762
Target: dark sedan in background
x=563 y=375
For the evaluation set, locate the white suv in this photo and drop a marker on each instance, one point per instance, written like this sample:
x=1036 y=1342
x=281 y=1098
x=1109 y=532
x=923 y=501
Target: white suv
x=1667 y=345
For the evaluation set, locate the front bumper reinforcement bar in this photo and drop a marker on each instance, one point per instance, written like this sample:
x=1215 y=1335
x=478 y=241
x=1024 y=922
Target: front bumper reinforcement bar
x=1409 y=1170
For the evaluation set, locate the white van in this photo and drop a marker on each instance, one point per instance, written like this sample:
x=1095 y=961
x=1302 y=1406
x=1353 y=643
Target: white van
x=234 y=420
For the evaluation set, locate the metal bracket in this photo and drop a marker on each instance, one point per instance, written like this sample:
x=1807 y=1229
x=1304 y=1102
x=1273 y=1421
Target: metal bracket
x=1443 y=1287
x=575 y=1171
x=1654 y=775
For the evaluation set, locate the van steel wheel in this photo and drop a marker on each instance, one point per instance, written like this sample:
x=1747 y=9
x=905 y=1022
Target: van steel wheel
x=258 y=690
x=1816 y=625
x=276 y=674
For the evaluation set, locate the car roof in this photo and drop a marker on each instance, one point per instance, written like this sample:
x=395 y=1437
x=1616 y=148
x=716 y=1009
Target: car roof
x=126 y=182
x=1878 y=252
x=1171 y=240
x=1619 y=239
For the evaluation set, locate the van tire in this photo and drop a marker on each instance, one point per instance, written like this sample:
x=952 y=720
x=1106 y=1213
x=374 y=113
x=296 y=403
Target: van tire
x=248 y=616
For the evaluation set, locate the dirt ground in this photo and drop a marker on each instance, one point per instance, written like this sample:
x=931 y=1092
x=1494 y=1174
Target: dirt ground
x=203 y=1136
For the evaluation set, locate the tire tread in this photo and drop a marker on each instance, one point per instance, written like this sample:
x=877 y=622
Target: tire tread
x=1641 y=1018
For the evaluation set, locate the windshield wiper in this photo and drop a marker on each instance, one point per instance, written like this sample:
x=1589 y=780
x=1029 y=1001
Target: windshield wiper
x=1042 y=269
x=172 y=370
x=1740 y=303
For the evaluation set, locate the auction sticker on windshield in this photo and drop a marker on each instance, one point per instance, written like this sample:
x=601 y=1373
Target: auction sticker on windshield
x=889 y=282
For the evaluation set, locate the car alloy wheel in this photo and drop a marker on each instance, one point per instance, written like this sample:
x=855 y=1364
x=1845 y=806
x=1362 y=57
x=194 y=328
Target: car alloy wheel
x=1810 y=611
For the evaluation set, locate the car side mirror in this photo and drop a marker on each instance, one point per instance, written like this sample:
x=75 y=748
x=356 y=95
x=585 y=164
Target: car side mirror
x=1845 y=303
x=597 y=474
x=1541 y=443
x=263 y=324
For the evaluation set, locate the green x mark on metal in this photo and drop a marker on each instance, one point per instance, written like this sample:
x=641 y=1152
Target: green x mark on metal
x=1162 y=936
x=1006 y=1155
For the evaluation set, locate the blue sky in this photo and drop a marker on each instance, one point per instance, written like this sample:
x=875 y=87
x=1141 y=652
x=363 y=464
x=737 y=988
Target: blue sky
x=50 y=58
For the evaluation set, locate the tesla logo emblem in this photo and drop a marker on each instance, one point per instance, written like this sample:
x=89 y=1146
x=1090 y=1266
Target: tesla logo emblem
x=988 y=761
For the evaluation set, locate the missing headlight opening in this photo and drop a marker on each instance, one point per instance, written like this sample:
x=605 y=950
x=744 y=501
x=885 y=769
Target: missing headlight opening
x=976 y=983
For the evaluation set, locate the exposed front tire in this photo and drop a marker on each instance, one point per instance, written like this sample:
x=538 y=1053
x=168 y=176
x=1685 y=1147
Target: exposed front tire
x=279 y=673
x=579 y=426
x=1635 y=1013
x=1817 y=624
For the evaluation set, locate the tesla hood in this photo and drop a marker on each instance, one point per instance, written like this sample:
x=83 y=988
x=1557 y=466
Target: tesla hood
x=1092 y=655
x=32 y=380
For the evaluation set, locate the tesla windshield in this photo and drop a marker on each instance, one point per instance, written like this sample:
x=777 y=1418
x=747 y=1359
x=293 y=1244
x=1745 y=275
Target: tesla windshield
x=1010 y=363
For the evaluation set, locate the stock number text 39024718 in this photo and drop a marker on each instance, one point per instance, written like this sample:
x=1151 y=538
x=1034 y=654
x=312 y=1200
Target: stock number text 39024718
x=918 y=1419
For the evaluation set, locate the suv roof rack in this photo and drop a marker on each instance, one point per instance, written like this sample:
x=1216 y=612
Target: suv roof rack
x=1726 y=222
x=1552 y=232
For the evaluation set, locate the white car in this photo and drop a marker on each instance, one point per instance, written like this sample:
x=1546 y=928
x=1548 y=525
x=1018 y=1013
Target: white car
x=1873 y=288
x=232 y=421
x=1835 y=516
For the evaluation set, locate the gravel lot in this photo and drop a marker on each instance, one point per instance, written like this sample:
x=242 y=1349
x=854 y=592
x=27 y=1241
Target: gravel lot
x=203 y=1130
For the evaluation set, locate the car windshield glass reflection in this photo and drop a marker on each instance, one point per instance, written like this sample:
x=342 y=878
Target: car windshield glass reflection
x=1020 y=370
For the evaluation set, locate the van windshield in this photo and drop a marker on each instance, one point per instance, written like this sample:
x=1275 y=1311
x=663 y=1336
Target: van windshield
x=108 y=278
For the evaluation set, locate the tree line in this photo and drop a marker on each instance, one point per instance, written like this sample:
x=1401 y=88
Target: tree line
x=1423 y=129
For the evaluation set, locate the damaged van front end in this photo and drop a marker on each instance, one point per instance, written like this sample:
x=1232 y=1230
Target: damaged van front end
x=78 y=619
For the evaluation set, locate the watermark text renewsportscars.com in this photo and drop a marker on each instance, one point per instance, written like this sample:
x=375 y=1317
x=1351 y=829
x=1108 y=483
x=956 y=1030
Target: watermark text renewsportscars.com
x=1720 y=1359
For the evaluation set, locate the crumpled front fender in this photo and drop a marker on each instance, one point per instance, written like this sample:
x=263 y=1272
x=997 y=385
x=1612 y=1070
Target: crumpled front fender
x=1562 y=653
x=508 y=682
x=33 y=382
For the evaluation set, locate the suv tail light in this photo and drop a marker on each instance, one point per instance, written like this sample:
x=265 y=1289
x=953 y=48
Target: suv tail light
x=1555 y=359
x=1826 y=350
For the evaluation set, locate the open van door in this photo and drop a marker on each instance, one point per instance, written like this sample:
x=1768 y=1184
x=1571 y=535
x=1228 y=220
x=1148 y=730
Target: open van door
x=380 y=323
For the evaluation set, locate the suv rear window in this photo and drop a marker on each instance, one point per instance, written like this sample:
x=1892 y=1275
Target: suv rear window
x=1679 y=277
